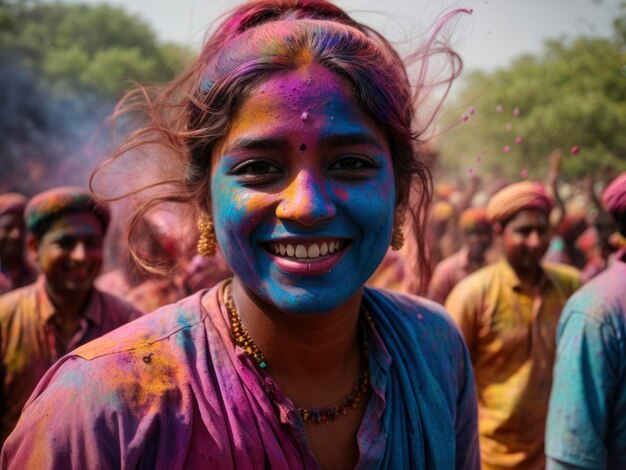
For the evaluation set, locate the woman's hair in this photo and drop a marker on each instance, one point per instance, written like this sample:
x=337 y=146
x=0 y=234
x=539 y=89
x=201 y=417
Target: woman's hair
x=182 y=122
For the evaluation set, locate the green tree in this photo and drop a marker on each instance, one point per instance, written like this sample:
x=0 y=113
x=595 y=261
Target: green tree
x=574 y=94
x=100 y=48
x=61 y=69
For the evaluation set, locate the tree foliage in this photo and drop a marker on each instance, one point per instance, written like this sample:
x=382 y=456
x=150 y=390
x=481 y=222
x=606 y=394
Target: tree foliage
x=98 y=48
x=61 y=69
x=573 y=94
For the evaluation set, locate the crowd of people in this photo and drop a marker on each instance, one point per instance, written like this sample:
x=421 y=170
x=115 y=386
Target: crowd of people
x=337 y=313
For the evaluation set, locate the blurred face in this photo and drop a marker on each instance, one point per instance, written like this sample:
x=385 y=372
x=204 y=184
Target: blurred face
x=576 y=231
x=303 y=193
x=12 y=236
x=479 y=240
x=605 y=226
x=526 y=238
x=70 y=253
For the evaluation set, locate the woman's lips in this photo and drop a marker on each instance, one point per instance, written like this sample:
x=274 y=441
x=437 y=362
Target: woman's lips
x=312 y=258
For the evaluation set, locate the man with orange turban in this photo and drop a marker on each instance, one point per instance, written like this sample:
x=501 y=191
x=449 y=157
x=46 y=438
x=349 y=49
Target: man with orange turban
x=477 y=237
x=508 y=313
x=15 y=270
x=587 y=416
x=62 y=310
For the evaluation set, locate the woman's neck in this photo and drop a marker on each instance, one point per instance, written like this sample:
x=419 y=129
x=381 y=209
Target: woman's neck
x=302 y=347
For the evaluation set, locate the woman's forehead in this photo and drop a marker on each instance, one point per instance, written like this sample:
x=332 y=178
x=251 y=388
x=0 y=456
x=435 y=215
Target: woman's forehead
x=301 y=93
x=307 y=101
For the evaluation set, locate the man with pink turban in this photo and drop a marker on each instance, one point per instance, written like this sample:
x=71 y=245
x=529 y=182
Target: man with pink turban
x=62 y=310
x=15 y=270
x=508 y=313
x=587 y=414
x=477 y=237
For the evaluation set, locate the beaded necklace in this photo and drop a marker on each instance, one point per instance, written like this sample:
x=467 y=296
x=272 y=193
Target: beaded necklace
x=315 y=415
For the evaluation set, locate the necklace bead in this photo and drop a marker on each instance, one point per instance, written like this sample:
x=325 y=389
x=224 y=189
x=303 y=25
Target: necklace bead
x=315 y=415
x=242 y=338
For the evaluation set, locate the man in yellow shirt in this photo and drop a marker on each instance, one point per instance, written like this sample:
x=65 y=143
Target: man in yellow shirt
x=44 y=321
x=508 y=313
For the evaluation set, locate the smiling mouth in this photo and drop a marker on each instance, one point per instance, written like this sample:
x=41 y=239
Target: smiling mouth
x=306 y=251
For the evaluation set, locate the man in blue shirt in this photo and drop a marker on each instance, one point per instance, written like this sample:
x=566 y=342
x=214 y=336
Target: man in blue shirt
x=586 y=426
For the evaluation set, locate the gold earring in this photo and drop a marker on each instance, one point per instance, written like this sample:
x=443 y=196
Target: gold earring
x=207 y=242
x=397 y=237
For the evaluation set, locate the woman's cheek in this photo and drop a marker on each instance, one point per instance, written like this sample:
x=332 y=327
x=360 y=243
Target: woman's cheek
x=236 y=216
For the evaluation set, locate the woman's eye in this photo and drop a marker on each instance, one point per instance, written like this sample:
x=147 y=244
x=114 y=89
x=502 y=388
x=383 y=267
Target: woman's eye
x=347 y=164
x=256 y=172
x=256 y=168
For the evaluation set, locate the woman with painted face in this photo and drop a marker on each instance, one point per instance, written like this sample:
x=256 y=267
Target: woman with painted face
x=295 y=138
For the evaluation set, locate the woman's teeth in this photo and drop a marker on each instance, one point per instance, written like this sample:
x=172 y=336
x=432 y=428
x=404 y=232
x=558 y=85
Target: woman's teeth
x=309 y=250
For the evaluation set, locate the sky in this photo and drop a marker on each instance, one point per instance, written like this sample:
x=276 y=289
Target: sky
x=496 y=32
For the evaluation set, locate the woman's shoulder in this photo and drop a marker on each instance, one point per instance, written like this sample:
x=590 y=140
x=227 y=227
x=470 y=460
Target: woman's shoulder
x=413 y=313
x=148 y=358
x=122 y=394
x=148 y=330
x=422 y=339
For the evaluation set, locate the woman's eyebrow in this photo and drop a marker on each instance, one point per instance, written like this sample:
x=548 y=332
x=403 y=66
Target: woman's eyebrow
x=331 y=139
x=344 y=139
x=256 y=143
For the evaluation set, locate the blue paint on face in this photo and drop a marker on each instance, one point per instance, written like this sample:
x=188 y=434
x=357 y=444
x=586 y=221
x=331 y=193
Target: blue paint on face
x=278 y=179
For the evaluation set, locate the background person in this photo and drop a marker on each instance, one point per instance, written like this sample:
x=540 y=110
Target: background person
x=508 y=312
x=477 y=236
x=62 y=310
x=586 y=426
x=15 y=269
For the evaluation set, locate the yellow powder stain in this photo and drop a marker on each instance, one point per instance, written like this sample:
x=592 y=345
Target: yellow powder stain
x=255 y=116
x=304 y=57
x=254 y=202
x=298 y=195
x=157 y=375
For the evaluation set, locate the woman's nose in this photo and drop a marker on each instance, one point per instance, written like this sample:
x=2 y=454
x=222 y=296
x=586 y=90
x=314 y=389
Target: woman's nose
x=306 y=200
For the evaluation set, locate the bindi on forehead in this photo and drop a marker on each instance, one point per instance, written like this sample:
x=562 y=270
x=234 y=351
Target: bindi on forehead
x=302 y=147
